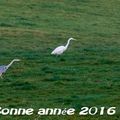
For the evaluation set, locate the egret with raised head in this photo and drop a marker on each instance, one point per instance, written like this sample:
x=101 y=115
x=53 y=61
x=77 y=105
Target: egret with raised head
x=61 y=49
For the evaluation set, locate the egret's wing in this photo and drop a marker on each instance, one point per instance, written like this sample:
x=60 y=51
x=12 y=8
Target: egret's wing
x=58 y=49
x=2 y=69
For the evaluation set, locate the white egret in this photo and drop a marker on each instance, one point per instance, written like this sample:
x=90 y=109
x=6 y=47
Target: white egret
x=60 y=49
x=4 y=68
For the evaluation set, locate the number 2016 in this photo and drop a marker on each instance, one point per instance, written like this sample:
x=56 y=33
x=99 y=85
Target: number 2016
x=95 y=110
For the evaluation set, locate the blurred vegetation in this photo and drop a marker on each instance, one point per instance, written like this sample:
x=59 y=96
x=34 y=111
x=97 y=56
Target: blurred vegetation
x=87 y=74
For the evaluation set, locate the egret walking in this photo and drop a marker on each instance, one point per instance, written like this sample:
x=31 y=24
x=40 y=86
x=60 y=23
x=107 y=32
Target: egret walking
x=4 y=68
x=60 y=49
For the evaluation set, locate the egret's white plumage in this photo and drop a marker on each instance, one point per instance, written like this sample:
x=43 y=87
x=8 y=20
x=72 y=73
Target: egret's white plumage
x=60 y=49
x=4 y=68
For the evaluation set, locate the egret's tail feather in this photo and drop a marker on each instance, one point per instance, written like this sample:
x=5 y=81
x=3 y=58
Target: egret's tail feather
x=52 y=53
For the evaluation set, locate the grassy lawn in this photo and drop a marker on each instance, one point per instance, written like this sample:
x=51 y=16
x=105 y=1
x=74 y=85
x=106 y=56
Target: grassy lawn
x=87 y=74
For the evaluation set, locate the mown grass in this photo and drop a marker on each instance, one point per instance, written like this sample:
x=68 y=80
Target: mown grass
x=86 y=75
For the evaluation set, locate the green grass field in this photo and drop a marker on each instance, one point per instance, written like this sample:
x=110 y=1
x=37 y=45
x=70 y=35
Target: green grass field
x=87 y=74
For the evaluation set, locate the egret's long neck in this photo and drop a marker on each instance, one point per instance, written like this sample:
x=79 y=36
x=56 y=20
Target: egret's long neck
x=10 y=63
x=66 y=46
